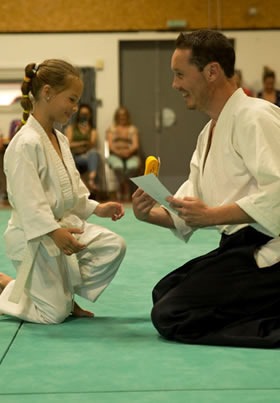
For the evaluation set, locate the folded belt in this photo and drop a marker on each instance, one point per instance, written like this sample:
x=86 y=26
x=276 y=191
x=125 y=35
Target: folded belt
x=71 y=265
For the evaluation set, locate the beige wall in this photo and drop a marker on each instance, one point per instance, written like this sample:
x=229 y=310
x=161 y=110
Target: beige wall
x=254 y=49
x=131 y=15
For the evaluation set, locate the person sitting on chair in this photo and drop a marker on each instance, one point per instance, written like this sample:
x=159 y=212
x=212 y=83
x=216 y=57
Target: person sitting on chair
x=83 y=139
x=123 y=142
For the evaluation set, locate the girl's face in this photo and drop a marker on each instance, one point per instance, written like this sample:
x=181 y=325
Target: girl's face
x=62 y=105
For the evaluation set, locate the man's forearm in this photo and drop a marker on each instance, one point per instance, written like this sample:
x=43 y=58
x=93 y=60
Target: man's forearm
x=228 y=214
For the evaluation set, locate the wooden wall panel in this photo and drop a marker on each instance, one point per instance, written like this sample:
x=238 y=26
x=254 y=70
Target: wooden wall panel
x=134 y=15
x=235 y=14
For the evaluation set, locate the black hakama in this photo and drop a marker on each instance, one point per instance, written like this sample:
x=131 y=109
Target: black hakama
x=222 y=298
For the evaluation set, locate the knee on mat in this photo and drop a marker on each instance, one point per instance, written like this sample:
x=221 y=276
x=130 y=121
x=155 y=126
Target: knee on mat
x=184 y=325
x=159 y=316
x=164 y=320
x=56 y=315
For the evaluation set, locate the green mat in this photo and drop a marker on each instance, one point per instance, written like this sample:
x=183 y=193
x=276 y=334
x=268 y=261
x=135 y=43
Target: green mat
x=118 y=356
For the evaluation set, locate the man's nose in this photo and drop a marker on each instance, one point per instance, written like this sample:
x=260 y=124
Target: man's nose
x=175 y=84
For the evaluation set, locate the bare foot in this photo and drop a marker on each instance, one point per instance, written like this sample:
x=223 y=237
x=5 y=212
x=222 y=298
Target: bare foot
x=78 y=312
x=4 y=281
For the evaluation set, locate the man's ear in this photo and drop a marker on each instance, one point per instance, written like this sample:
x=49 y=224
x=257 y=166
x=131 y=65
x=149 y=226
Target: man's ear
x=212 y=71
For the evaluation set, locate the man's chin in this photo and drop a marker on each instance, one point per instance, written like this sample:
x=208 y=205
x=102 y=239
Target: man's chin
x=191 y=107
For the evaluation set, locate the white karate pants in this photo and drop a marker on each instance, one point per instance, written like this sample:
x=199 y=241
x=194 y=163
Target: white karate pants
x=47 y=297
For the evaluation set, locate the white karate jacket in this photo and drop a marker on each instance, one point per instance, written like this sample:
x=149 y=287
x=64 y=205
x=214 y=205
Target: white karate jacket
x=243 y=167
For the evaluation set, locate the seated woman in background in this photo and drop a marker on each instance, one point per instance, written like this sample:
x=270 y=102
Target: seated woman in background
x=83 y=139
x=123 y=141
x=269 y=93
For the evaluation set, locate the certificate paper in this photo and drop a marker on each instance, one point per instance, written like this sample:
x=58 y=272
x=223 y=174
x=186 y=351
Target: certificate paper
x=151 y=185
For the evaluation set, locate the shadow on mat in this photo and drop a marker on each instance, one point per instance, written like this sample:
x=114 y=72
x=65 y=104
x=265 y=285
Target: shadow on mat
x=125 y=329
x=109 y=319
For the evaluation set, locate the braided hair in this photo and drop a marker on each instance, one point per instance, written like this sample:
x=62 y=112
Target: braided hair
x=54 y=72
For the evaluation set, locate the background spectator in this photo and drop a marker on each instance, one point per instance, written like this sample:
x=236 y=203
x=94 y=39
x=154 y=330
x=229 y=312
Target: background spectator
x=83 y=141
x=123 y=143
x=269 y=93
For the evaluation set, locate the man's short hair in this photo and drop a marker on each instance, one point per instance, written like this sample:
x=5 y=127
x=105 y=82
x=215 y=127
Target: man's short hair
x=208 y=46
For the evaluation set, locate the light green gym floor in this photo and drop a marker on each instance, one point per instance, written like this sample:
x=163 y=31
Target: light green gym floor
x=118 y=356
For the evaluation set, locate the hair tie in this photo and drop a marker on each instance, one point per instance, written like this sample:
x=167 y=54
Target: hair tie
x=36 y=68
x=23 y=121
x=24 y=111
x=27 y=79
x=25 y=96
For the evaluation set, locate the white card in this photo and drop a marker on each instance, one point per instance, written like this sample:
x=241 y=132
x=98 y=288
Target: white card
x=151 y=185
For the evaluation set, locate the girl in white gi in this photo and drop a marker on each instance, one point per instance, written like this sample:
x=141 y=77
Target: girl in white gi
x=56 y=252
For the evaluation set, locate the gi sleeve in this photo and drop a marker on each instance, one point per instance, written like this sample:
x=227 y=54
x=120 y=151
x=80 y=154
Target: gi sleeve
x=187 y=189
x=259 y=146
x=84 y=207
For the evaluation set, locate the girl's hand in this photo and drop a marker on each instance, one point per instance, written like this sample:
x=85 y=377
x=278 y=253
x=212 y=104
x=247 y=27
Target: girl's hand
x=65 y=241
x=110 y=209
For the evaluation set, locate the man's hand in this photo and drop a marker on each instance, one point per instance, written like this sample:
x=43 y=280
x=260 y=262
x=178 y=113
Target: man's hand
x=197 y=214
x=192 y=210
x=110 y=209
x=142 y=204
x=65 y=241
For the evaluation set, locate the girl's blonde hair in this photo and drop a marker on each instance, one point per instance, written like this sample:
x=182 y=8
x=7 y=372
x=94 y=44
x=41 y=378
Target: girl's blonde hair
x=54 y=72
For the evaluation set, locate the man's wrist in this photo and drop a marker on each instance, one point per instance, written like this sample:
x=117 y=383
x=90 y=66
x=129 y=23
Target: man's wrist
x=97 y=209
x=213 y=215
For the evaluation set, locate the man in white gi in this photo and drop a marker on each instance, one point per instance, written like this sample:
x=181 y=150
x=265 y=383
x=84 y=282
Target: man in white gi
x=231 y=296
